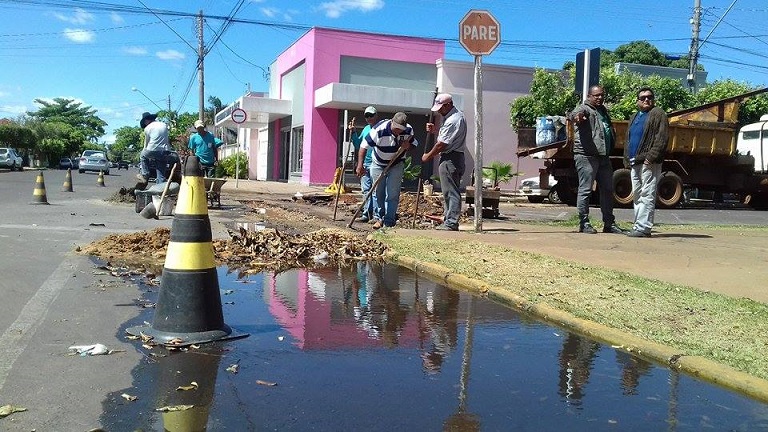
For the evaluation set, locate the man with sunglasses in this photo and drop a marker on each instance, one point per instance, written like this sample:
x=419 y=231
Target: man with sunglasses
x=371 y=118
x=594 y=139
x=647 y=138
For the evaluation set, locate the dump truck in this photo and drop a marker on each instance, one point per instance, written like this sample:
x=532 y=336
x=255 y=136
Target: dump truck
x=707 y=151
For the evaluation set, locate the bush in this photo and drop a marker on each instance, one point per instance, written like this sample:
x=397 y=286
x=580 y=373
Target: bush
x=227 y=167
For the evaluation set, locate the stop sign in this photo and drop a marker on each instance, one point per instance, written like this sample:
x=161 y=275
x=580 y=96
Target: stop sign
x=479 y=32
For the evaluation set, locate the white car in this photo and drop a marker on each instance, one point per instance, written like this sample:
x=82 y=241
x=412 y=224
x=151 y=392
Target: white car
x=93 y=160
x=10 y=159
x=530 y=188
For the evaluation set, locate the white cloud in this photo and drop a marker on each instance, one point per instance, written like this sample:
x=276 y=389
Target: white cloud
x=116 y=19
x=270 y=11
x=80 y=17
x=335 y=8
x=170 y=55
x=136 y=51
x=13 y=109
x=79 y=35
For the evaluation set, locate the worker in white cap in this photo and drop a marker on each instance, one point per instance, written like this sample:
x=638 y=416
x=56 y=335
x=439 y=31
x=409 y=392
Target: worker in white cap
x=205 y=147
x=450 y=144
x=371 y=118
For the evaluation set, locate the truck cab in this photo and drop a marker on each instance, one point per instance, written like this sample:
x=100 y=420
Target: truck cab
x=752 y=141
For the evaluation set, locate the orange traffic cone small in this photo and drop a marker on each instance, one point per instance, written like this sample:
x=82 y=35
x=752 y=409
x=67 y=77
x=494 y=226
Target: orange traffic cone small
x=38 y=196
x=100 y=180
x=67 y=187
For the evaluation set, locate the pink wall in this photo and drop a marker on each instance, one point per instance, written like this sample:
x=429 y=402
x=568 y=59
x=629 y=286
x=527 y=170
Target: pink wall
x=321 y=50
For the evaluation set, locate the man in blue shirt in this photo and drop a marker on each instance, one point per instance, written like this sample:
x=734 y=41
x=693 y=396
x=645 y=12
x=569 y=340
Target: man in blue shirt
x=371 y=117
x=205 y=147
x=647 y=139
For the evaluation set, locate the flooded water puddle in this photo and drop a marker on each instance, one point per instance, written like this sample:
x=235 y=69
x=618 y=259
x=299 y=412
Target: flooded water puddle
x=377 y=347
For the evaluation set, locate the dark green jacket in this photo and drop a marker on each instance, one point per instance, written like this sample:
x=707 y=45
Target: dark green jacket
x=655 y=139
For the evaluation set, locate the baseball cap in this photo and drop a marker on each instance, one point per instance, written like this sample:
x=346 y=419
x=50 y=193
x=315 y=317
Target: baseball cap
x=199 y=123
x=370 y=110
x=440 y=100
x=399 y=120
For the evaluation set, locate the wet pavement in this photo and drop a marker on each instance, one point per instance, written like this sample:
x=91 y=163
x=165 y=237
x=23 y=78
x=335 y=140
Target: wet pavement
x=377 y=347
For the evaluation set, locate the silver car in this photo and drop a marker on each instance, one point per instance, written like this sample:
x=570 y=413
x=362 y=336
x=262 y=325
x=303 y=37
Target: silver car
x=10 y=159
x=93 y=160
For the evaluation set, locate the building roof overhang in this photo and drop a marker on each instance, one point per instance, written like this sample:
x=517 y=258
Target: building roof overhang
x=385 y=99
x=259 y=110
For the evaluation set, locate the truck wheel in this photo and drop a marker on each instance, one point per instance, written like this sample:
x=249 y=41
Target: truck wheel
x=670 y=190
x=622 y=187
x=554 y=196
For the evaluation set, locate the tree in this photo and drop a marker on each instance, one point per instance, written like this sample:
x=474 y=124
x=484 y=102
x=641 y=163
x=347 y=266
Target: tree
x=214 y=106
x=19 y=137
x=551 y=94
x=128 y=143
x=82 y=118
x=640 y=52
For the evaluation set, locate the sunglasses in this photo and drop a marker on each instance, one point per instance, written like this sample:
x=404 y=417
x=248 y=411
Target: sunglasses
x=368 y=115
x=645 y=98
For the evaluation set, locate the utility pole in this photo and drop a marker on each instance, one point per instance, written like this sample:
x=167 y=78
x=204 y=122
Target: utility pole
x=200 y=62
x=693 y=54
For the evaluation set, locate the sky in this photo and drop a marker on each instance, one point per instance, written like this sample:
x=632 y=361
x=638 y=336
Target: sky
x=97 y=52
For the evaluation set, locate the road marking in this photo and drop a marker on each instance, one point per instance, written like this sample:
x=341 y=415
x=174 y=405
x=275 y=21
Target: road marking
x=16 y=338
x=63 y=228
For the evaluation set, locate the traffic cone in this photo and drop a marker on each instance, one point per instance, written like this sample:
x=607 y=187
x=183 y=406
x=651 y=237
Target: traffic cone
x=67 y=187
x=100 y=180
x=38 y=196
x=188 y=309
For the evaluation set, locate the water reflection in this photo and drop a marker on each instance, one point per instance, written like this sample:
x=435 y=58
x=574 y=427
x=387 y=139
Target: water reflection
x=375 y=347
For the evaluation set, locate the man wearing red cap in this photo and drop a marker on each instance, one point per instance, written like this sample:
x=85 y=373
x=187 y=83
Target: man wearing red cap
x=451 y=143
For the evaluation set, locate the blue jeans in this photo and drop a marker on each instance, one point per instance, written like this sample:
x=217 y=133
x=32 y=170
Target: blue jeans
x=451 y=170
x=153 y=159
x=365 y=186
x=645 y=181
x=386 y=196
x=589 y=169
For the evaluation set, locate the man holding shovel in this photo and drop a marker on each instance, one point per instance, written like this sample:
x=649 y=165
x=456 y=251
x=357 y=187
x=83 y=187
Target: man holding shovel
x=390 y=140
x=450 y=144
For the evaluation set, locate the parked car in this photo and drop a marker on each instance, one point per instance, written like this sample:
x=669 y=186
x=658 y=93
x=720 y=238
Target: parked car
x=93 y=160
x=536 y=194
x=10 y=159
x=122 y=165
x=65 y=163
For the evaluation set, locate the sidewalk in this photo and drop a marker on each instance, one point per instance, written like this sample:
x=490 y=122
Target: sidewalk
x=730 y=262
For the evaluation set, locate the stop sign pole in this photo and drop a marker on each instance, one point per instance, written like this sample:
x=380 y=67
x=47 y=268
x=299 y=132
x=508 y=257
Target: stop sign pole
x=479 y=34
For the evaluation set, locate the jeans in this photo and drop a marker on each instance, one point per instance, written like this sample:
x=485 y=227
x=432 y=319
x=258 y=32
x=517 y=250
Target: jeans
x=365 y=186
x=155 y=159
x=386 y=196
x=208 y=170
x=451 y=170
x=589 y=169
x=645 y=181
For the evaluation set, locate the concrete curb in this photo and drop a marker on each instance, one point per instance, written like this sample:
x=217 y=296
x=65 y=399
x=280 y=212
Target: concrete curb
x=696 y=366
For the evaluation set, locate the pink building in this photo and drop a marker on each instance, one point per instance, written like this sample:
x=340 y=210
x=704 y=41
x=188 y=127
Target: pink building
x=296 y=134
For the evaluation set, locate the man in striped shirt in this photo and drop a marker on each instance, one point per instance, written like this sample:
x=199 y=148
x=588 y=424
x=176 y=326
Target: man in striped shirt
x=390 y=140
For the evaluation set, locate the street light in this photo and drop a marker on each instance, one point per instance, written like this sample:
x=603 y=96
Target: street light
x=142 y=93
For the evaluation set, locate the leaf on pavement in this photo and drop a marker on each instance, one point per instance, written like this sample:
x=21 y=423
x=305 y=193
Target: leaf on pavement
x=170 y=408
x=128 y=397
x=266 y=383
x=7 y=410
x=233 y=368
x=192 y=386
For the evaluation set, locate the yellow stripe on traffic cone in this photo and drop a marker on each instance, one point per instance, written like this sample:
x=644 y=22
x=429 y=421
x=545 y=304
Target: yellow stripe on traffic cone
x=100 y=180
x=189 y=304
x=67 y=187
x=39 y=196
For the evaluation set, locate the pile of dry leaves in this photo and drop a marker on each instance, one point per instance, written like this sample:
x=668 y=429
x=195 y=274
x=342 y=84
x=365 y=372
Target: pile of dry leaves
x=251 y=251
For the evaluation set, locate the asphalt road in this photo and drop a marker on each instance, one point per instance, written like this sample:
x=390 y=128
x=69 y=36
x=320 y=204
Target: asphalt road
x=54 y=298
